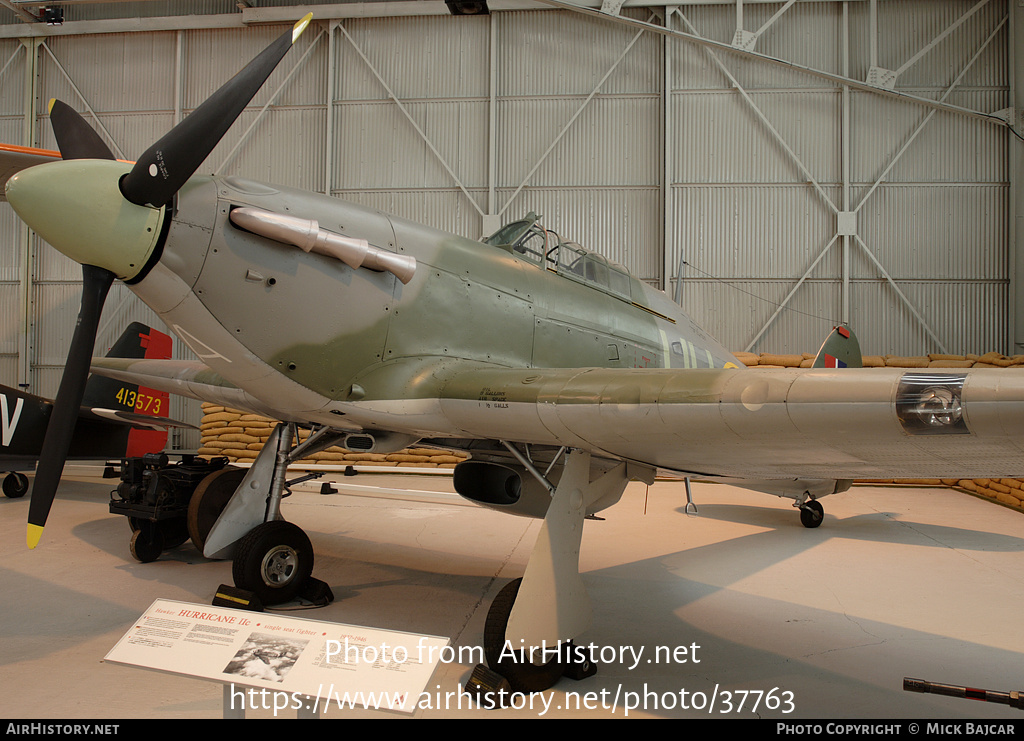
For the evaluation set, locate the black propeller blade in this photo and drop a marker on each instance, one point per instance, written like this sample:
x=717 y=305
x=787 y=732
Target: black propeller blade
x=76 y=139
x=165 y=166
x=61 y=426
x=153 y=181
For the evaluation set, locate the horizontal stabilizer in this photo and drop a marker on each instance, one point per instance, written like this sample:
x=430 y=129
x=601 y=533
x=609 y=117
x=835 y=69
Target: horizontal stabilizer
x=188 y=378
x=137 y=420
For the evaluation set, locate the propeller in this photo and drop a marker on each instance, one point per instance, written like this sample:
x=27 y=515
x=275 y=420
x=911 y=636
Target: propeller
x=76 y=139
x=164 y=167
x=96 y=283
x=111 y=239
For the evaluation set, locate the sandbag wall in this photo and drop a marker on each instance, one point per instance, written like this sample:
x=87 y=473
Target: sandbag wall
x=1006 y=491
x=933 y=360
x=240 y=436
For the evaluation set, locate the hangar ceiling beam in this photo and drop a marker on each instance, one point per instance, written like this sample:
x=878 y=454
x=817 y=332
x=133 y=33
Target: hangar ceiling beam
x=887 y=78
x=930 y=115
x=764 y=120
x=823 y=74
x=780 y=140
x=122 y=25
x=747 y=39
x=20 y=12
x=848 y=216
x=892 y=163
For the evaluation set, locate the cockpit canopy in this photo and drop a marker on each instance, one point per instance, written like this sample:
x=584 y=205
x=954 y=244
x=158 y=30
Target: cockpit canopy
x=529 y=239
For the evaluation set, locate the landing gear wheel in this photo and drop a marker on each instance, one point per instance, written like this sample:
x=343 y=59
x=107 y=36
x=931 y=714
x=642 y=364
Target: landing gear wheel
x=812 y=513
x=147 y=543
x=521 y=674
x=273 y=561
x=209 y=500
x=15 y=485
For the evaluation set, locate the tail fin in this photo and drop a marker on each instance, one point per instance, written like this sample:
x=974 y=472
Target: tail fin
x=840 y=350
x=137 y=341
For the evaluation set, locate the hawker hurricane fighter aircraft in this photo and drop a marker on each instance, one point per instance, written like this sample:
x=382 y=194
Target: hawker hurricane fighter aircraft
x=562 y=375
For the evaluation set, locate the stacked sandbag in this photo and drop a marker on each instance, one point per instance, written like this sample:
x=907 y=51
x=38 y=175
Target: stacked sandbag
x=771 y=360
x=240 y=436
x=1006 y=491
x=931 y=360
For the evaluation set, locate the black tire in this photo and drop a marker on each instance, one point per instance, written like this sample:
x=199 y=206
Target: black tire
x=273 y=561
x=812 y=513
x=147 y=543
x=209 y=500
x=522 y=675
x=15 y=485
x=174 y=531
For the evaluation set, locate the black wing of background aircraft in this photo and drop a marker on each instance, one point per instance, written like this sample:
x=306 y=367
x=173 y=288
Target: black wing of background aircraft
x=116 y=419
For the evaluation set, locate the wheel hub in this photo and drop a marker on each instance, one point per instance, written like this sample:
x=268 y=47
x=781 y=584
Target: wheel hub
x=279 y=565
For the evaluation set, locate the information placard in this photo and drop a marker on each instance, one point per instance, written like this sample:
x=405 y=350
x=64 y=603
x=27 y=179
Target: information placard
x=290 y=657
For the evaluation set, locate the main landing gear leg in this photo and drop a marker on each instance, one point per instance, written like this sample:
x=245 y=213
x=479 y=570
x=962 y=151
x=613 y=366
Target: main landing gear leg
x=273 y=558
x=532 y=617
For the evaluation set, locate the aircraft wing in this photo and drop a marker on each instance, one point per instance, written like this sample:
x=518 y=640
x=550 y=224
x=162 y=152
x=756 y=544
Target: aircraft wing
x=770 y=423
x=825 y=424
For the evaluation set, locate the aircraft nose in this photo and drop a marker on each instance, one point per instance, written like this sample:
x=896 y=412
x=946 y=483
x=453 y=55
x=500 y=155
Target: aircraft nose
x=77 y=206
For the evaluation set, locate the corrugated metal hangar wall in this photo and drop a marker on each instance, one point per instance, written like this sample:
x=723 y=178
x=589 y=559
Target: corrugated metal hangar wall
x=776 y=167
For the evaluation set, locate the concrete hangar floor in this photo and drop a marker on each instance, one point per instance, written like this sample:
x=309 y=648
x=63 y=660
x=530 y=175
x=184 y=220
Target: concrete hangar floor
x=897 y=582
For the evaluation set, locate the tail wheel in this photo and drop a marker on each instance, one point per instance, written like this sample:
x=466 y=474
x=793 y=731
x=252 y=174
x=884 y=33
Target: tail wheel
x=273 y=561
x=812 y=513
x=522 y=674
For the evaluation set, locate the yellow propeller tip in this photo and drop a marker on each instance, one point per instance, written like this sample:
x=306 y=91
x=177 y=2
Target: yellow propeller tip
x=300 y=26
x=35 y=532
x=49 y=108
